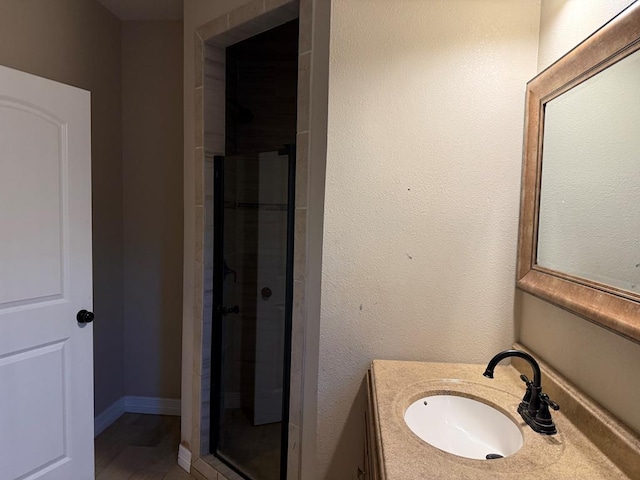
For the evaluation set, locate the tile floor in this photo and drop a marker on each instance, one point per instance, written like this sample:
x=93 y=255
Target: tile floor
x=140 y=447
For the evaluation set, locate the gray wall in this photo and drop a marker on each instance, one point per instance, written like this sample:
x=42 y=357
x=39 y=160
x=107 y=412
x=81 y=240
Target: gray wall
x=78 y=43
x=134 y=73
x=152 y=193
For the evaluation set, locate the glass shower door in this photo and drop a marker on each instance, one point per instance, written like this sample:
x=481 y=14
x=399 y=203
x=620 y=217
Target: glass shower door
x=253 y=228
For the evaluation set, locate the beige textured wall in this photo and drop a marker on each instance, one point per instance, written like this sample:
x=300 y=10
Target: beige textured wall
x=78 y=42
x=152 y=208
x=601 y=363
x=566 y=23
x=426 y=106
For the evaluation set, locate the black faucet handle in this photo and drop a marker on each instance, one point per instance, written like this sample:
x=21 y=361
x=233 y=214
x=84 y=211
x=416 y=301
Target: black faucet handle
x=523 y=407
x=543 y=423
x=544 y=399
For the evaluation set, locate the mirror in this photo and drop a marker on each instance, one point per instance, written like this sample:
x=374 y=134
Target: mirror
x=589 y=220
x=579 y=240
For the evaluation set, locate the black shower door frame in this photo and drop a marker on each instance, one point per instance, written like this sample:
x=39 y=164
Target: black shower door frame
x=217 y=330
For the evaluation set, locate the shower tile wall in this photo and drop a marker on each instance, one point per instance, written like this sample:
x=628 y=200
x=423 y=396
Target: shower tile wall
x=214 y=138
x=217 y=30
x=261 y=74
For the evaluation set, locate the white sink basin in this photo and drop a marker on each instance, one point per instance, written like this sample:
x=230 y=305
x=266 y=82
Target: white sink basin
x=463 y=426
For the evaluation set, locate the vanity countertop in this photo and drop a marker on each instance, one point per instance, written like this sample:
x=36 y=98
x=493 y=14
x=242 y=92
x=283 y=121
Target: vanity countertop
x=403 y=456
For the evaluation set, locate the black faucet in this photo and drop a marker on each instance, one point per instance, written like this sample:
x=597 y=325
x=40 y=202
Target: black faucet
x=534 y=407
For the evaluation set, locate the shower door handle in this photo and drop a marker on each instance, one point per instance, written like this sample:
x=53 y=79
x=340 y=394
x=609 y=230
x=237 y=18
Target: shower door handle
x=228 y=310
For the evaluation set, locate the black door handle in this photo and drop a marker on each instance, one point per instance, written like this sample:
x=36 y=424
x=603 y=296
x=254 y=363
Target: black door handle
x=84 y=316
x=227 y=310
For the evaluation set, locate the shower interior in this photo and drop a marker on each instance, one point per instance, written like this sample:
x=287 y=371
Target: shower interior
x=249 y=206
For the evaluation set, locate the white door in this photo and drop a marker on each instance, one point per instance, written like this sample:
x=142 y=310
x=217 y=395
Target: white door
x=46 y=355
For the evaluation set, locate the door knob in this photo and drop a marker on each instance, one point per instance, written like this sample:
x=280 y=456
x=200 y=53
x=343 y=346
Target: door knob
x=228 y=310
x=84 y=316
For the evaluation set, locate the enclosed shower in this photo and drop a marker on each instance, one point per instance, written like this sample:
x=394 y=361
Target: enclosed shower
x=251 y=252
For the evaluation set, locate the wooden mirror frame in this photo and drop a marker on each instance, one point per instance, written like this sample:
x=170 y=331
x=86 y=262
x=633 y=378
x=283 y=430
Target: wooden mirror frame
x=610 y=307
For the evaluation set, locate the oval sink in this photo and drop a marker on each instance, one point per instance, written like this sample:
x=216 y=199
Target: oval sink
x=464 y=427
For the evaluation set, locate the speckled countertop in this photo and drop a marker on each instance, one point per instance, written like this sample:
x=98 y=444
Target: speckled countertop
x=404 y=456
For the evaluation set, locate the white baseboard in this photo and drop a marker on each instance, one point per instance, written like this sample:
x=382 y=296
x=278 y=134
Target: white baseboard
x=106 y=418
x=184 y=458
x=131 y=404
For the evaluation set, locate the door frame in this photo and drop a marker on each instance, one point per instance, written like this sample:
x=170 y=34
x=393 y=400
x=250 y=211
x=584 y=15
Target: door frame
x=251 y=19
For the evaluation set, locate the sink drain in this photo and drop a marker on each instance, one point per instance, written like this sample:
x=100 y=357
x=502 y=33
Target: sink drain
x=493 y=456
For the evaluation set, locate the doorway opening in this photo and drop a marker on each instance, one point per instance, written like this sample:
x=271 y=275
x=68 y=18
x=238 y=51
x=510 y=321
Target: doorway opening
x=252 y=251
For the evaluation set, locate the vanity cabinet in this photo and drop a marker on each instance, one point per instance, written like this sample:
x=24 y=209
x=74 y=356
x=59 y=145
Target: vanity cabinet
x=589 y=444
x=371 y=453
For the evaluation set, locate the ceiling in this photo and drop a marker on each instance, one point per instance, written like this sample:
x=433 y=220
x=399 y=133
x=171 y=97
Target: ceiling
x=145 y=9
